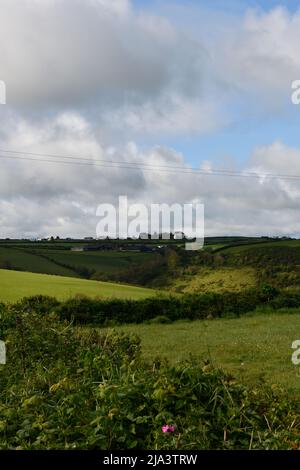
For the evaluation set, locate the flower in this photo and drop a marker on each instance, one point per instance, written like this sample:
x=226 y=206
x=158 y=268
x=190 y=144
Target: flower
x=168 y=428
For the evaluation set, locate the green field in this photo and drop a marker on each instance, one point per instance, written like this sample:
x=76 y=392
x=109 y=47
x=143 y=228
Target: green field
x=247 y=246
x=23 y=261
x=253 y=348
x=101 y=261
x=64 y=262
x=15 y=285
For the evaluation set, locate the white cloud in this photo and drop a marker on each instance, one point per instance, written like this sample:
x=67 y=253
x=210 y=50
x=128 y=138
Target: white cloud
x=75 y=52
x=167 y=115
x=52 y=198
x=260 y=58
x=85 y=76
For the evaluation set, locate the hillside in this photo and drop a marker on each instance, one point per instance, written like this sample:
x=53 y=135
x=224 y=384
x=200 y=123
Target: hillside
x=240 y=267
x=16 y=285
x=59 y=259
x=239 y=246
x=225 y=263
x=215 y=279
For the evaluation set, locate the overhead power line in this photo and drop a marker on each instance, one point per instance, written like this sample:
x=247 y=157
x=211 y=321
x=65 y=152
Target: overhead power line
x=136 y=166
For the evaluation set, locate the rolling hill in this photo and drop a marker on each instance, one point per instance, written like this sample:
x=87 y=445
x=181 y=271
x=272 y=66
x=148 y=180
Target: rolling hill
x=15 y=285
x=64 y=262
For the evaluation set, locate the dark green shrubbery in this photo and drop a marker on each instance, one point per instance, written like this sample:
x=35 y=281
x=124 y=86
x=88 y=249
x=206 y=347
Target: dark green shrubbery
x=287 y=299
x=84 y=310
x=64 y=388
x=42 y=304
x=101 y=312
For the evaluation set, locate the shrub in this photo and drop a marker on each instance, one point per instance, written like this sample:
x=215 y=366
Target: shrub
x=84 y=310
x=288 y=299
x=84 y=390
x=41 y=304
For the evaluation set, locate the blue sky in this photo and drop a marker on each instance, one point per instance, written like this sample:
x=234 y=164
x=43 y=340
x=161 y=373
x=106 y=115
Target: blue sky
x=232 y=6
x=237 y=142
x=238 y=138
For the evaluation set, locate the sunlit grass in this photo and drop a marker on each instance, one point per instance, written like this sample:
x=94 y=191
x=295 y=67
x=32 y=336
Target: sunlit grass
x=15 y=285
x=253 y=348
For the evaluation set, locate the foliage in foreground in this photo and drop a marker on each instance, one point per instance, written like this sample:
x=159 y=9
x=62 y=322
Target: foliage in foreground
x=62 y=389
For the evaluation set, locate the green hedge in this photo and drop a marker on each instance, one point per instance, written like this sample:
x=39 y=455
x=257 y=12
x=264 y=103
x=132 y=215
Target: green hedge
x=100 y=312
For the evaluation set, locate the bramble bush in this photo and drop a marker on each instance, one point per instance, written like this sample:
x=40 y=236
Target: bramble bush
x=70 y=388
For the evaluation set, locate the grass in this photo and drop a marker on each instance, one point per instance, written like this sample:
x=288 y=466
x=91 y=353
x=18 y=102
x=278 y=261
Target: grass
x=253 y=348
x=24 y=261
x=247 y=246
x=31 y=259
x=15 y=285
x=19 y=257
x=101 y=261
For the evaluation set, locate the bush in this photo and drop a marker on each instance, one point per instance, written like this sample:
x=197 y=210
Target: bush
x=188 y=306
x=108 y=312
x=84 y=390
x=101 y=312
x=41 y=304
x=286 y=299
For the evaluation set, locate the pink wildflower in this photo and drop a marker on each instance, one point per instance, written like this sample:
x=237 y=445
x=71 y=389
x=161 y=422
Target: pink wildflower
x=168 y=428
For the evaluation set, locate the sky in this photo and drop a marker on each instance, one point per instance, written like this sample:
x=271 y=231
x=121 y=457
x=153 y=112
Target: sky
x=194 y=83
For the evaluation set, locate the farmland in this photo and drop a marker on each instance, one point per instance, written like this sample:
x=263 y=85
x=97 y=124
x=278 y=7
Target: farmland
x=230 y=248
x=59 y=259
x=13 y=258
x=255 y=348
x=16 y=285
x=109 y=260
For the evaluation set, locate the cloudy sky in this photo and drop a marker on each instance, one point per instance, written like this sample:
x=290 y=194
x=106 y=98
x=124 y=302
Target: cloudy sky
x=156 y=83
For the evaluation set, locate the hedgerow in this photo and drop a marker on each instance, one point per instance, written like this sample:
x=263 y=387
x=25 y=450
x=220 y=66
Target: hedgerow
x=84 y=310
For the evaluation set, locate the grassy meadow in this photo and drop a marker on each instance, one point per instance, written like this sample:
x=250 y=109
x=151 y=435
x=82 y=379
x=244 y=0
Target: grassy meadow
x=254 y=348
x=16 y=285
